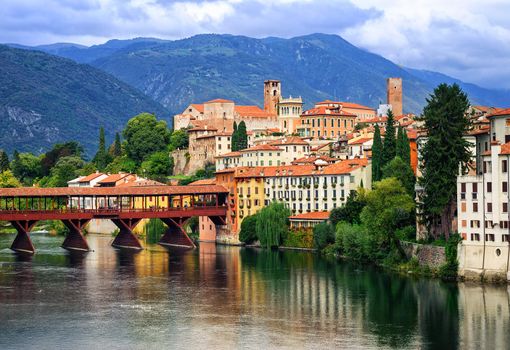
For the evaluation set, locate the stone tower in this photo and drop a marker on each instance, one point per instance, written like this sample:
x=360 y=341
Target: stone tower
x=394 y=95
x=272 y=93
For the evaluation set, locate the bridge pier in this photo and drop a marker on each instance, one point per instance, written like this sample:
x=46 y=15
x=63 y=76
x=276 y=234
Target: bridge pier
x=126 y=238
x=22 y=243
x=75 y=240
x=175 y=235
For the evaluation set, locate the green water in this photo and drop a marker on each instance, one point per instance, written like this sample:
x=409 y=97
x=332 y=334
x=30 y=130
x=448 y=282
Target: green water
x=219 y=297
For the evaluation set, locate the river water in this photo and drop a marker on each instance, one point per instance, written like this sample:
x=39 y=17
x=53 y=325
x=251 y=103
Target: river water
x=218 y=297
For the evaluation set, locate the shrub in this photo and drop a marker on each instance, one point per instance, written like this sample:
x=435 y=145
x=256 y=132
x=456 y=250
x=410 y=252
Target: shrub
x=323 y=235
x=299 y=239
x=355 y=242
x=248 y=232
x=272 y=224
x=449 y=270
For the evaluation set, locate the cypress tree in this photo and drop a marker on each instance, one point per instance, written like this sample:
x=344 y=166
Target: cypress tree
x=403 y=148
x=4 y=161
x=377 y=155
x=443 y=154
x=234 y=146
x=389 y=147
x=117 y=147
x=101 y=157
x=242 y=136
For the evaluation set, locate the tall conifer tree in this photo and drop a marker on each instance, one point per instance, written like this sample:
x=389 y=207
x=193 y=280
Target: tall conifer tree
x=445 y=152
x=389 y=147
x=117 y=147
x=403 y=148
x=377 y=155
x=4 y=161
x=242 y=137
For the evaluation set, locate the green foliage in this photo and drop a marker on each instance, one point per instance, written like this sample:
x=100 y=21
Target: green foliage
x=299 y=239
x=407 y=233
x=4 y=161
x=66 y=169
x=7 y=180
x=26 y=167
x=350 y=211
x=58 y=228
x=356 y=243
x=248 y=233
x=235 y=139
x=102 y=157
x=179 y=139
x=449 y=270
x=158 y=166
x=402 y=171
x=145 y=135
x=193 y=229
x=272 y=224
x=403 y=147
x=444 y=153
x=323 y=235
x=200 y=174
x=390 y=143
x=377 y=148
x=389 y=207
x=153 y=230
x=242 y=137
x=87 y=169
x=122 y=163
x=59 y=150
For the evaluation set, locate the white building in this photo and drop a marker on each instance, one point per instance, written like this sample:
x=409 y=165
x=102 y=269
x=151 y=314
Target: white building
x=482 y=206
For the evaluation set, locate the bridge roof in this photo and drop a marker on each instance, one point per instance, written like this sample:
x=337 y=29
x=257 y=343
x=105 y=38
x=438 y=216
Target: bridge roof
x=110 y=191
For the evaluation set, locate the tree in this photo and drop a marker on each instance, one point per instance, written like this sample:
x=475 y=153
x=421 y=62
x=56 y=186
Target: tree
x=7 y=180
x=242 y=137
x=235 y=139
x=445 y=152
x=122 y=163
x=389 y=147
x=389 y=207
x=179 y=139
x=248 y=232
x=323 y=235
x=145 y=135
x=4 y=161
x=66 y=169
x=377 y=148
x=26 y=167
x=403 y=149
x=402 y=171
x=102 y=158
x=117 y=146
x=272 y=224
x=158 y=166
x=350 y=211
x=60 y=150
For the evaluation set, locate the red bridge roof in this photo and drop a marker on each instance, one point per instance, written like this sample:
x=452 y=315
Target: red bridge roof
x=110 y=191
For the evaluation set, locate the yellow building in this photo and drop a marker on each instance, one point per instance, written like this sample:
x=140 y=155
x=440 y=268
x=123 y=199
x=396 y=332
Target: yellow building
x=250 y=195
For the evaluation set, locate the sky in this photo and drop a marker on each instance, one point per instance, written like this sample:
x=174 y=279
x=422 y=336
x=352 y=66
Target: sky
x=466 y=39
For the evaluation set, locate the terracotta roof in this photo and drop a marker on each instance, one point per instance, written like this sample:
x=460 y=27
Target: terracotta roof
x=360 y=141
x=344 y=104
x=376 y=120
x=90 y=177
x=344 y=167
x=281 y=170
x=480 y=131
x=203 y=182
x=252 y=111
x=203 y=128
x=324 y=110
x=108 y=191
x=291 y=140
x=141 y=183
x=229 y=154
x=316 y=148
x=219 y=100
x=198 y=107
x=262 y=147
x=314 y=215
x=505 y=148
x=114 y=178
x=313 y=159
x=500 y=112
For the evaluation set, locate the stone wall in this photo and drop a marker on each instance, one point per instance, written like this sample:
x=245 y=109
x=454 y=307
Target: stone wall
x=427 y=255
x=181 y=162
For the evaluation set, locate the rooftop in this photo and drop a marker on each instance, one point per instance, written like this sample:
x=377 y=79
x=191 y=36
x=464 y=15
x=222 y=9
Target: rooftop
x=314 y=215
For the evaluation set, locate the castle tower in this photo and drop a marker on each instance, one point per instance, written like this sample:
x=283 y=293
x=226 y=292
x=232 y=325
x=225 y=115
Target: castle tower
x=394 y=95
x=272 y=93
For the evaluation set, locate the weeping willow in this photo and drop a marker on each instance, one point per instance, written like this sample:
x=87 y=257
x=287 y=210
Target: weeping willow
x=153 y=230
x=272 y=224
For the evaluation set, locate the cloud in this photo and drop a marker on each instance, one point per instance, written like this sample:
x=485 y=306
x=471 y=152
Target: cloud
x=467 y=39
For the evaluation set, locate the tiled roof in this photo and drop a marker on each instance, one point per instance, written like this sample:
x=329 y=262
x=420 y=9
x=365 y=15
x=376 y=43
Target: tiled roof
x=113 y=178
x=252 y=111
x=90 y=177
x=262 y=147
x=313 y=159
x=360 y=141
x=344 y=167
x=198 y=107
x=219 y=100
x=229 y=154
x=505 y=148
x=211 y=181
x=108 y=191
x=141 y=183
x=324 y=110
x=344 y=104
x=314 y=215
x=291 y=140
x=505 y=111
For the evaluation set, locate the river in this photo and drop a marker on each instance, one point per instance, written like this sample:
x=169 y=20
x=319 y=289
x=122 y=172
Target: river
x=218 y=297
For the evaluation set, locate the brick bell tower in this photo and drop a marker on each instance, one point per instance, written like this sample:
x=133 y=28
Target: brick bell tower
x=272 y=93
x=394 y=95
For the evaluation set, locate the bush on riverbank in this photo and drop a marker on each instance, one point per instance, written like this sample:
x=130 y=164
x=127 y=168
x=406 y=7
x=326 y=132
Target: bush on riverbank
x=299 y=239
x=449 y=270
x=248 y=233
x=272 y=224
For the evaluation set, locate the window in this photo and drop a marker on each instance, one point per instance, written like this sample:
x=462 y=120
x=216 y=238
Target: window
x=463 y=187
x=489 y=207
x=504 y=186
x=475 y=207
x=489 y=187
x=489 y=237
x=475 y=236
x=464 y=223
x=475 y=187
x=505 y=207
x=504 y=165
x=506 y=238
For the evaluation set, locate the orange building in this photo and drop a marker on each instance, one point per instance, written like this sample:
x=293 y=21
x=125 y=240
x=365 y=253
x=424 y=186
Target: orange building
x=326 y=122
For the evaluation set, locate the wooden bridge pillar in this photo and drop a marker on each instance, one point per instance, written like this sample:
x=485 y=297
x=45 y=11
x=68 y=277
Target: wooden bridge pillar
x=75 y=240
x=22 y=243
x=126 y=238
x=175 y=235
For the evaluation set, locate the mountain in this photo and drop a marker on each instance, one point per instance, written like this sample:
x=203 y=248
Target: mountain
x=46 y=99
x=316 y=67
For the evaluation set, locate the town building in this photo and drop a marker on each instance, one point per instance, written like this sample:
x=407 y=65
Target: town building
x=327 y=120
x=289 y=112
x=482 y=206
x=307 y=221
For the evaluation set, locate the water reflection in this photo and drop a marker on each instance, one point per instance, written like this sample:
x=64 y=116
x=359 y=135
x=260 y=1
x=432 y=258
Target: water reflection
x=229 y=297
